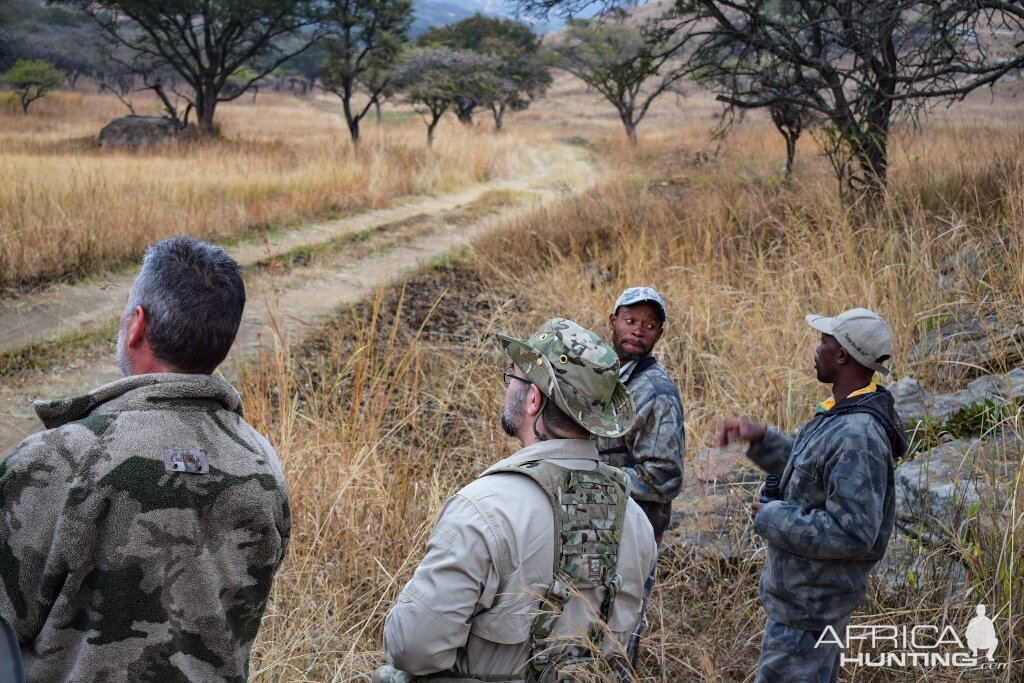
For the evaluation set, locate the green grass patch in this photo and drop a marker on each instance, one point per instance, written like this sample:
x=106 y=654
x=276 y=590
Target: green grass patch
x=44 y=356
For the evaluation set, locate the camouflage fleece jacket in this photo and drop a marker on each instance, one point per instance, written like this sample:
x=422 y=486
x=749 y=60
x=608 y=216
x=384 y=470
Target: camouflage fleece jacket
x=139 y=536
x=836 y=513
x=651 y=453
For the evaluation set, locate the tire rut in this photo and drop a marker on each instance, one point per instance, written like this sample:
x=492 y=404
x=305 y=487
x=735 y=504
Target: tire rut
x=289 y=302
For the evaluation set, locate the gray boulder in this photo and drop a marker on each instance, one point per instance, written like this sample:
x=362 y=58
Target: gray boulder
x=990 y=342
x=939 y=492
x=948 y=498
x=136 y=132
x=914 y=403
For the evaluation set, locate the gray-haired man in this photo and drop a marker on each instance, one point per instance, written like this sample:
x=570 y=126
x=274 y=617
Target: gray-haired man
x=140 y=534
x=837 y=507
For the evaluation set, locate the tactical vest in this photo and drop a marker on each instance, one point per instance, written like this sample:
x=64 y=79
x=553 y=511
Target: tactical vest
x=589 y=507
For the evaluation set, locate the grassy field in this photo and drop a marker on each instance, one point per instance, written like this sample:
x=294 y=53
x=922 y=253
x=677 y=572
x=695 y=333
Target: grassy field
x=381 y=415
x=69 y=208
x=386 y=413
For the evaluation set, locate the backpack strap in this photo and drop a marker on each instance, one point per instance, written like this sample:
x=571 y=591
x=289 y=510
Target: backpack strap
x=589 y=507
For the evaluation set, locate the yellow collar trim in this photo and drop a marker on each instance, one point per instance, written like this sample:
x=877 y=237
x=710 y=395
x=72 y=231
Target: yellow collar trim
x=830 y=402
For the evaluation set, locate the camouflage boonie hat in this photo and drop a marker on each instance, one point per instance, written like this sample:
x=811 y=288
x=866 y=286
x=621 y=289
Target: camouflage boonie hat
x=573 y=367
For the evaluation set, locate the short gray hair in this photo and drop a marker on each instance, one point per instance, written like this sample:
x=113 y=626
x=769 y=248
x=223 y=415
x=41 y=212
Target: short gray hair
x=193 y=296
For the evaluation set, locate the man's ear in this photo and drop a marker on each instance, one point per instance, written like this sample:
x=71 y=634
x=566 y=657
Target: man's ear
x=611 y=319
x=137 y=327
x=534 y=400
x=843 y=356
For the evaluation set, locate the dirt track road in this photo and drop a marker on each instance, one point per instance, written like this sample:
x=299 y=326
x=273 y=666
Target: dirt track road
x=402 y=238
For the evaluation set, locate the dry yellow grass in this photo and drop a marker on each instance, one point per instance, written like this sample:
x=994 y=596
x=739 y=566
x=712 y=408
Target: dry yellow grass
x=396 y=405
x=70 y=208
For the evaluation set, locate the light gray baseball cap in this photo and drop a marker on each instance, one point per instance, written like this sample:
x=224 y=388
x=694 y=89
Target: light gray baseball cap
x=863 y=334
x=637 y=295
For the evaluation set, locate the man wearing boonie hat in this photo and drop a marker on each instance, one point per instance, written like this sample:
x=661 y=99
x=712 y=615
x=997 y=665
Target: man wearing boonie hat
x=534 y=571
x=651 y=452
x=836 y=508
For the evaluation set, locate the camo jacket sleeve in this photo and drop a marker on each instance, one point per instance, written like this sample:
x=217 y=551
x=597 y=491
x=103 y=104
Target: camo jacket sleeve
x=834 y=498
x=31 y=546
x=651 y=454
x=772 y=454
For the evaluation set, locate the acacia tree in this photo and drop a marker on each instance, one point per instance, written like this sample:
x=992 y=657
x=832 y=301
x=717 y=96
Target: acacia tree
x=435 y=79
x=629 y=66
x=32 y=79
x=523 y=73
x=205 y=42
x=857 y=65
x=364 y=42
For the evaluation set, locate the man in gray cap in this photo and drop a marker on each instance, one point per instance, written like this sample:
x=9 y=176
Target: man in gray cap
x=835 y=508
x=534 y=571
x=651 y=453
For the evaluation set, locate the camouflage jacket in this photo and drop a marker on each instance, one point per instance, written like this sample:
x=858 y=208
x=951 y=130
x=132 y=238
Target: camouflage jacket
x=836 y=513
x=651 y=454
x=470 y=605
x=139 y=536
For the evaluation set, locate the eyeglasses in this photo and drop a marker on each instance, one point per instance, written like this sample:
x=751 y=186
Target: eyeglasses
x=507 y=375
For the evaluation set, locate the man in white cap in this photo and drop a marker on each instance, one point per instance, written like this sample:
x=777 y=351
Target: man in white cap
x=836 y=508
x=535 y=571
x=651 y=453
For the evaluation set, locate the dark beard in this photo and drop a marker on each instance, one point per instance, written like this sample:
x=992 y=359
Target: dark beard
x=508 y=425
x=512 y=418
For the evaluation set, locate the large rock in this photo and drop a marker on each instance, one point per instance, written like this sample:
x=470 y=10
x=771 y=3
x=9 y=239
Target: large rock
x=938 y=493
x=991 y=342
x=947 y=499
x=711 y=516
x=135 y=132
x=914 y=403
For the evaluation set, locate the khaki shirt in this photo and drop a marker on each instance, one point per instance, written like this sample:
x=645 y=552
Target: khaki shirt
x=469 y=606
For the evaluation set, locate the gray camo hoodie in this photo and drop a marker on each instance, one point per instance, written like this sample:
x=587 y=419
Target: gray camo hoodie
x=836 y=513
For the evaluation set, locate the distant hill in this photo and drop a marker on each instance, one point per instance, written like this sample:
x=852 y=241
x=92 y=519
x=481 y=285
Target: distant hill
x=440 y=12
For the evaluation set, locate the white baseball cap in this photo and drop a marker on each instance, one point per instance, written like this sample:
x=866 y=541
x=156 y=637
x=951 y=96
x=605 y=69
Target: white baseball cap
x=863 y=334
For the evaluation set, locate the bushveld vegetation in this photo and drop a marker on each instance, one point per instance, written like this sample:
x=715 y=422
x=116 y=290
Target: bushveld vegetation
x=389 y=410
x=70 y=208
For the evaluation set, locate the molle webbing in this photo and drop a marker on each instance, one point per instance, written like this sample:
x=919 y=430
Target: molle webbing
x=589 y=507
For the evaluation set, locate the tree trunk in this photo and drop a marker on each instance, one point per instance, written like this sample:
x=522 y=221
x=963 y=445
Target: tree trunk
x=499 y=116
x=350 y=118
x=353 y=132
x=790 y=155
x=464 y=109
x=430 y=130
x=206 y=105
x=376 y=107
x=630 y=131
x=873 y=159
x=626 y=116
